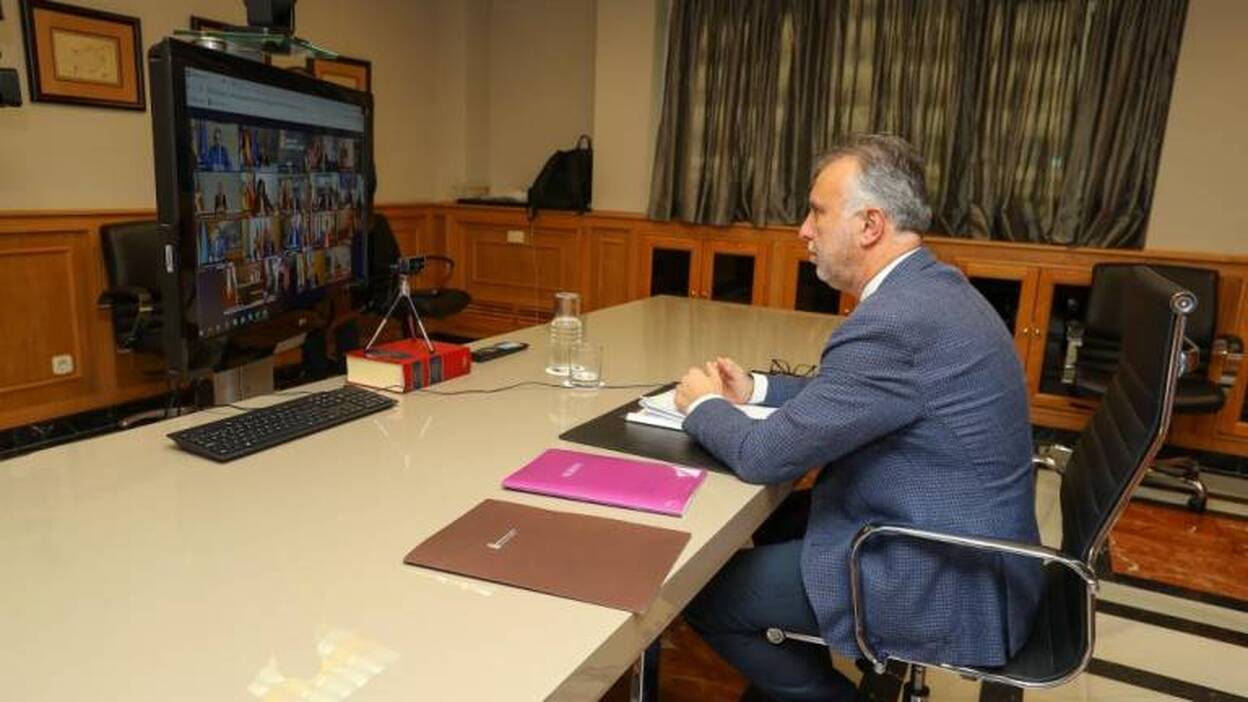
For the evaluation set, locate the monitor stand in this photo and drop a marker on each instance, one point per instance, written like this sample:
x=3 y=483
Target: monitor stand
x=248 y=380
x=252 y=378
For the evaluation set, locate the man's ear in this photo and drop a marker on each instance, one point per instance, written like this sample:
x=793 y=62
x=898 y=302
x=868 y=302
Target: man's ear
x=872 y=227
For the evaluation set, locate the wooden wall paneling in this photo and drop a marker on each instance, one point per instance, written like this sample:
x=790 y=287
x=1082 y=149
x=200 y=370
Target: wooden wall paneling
x=608 y=264
x=605 y=256
x=413 y=231
x=51 y=273
x=513 y=267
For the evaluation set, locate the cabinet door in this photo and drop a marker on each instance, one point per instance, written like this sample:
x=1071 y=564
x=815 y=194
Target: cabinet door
x=608 y=267
x=1061 y=303
x=795 y=286
x=1011 y=289
x=1232 y=301
x=669 y=265
x=733 y=271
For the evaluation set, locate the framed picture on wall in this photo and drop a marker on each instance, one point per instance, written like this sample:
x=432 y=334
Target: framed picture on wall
x=82 y=56
x=348 y=72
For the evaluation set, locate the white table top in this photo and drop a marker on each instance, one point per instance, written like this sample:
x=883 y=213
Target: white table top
x=132 y=570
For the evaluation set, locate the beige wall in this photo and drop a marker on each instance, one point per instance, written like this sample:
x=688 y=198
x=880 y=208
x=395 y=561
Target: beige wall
x=628 y=77
x=477 y=93
x=541 y=84
x=1201 y=203
x=68 y=157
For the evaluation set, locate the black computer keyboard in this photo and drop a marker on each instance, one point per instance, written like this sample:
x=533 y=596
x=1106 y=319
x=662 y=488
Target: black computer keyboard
x=259 y=429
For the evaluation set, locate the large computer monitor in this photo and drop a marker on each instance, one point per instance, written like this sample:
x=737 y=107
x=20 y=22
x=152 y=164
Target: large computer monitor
x=261 y=191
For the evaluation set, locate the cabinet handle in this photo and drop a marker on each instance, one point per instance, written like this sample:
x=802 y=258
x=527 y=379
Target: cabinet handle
x=1026 y=331
x=1036 y=332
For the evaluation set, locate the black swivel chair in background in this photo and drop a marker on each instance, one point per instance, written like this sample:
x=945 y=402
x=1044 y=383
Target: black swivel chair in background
x=133 y=259
x=1109 y=460
x=436 y=301
x=132 y=262
x=1197 y=393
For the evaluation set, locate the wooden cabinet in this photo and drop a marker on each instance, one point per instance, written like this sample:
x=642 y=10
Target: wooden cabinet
x=56 y=346
x=1011 y=289
x=51 y=271
x=714 y=266
x=1038 y=306
x=796 y=286
x=512 y=267
x=607 y=265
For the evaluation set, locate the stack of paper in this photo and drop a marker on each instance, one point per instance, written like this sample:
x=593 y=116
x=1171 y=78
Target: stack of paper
x=660 y=411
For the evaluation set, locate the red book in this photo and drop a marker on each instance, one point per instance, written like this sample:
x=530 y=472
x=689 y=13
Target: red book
x=407 y=364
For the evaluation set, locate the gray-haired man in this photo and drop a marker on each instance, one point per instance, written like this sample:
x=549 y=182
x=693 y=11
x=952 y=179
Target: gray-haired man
x=919 y=417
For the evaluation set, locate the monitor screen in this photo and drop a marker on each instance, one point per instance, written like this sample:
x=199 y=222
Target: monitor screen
x=261 y=177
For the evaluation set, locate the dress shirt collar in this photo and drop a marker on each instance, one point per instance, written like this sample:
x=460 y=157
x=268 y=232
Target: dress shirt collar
x=878 y=278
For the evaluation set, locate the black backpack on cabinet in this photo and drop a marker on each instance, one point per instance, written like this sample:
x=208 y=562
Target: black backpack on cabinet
x=566 y=181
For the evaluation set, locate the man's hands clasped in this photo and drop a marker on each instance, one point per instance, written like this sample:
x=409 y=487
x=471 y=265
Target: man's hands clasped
x=723 y=376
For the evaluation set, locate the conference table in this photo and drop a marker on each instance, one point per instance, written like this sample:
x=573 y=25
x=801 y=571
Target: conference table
x=133 y=570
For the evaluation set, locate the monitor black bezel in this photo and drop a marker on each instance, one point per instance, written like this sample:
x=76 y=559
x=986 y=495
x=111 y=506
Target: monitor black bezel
x=175 y=186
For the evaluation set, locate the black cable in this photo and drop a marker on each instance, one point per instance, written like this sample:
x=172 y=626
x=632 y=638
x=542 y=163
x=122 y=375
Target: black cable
x=533 y=383
x=486 y=391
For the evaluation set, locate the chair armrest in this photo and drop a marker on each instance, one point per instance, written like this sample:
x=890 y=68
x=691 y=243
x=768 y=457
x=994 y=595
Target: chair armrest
x=1042 y=553
x=142 y=297
x=1053 y=456
x=1227 y=353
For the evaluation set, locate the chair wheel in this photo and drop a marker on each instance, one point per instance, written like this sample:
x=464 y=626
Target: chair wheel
x=1197 y=503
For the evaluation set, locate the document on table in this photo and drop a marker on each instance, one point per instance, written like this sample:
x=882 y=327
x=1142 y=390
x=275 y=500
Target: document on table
x=609 y=562
x=660 y=411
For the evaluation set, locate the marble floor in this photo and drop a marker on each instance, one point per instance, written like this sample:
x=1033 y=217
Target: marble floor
x=1153 y=643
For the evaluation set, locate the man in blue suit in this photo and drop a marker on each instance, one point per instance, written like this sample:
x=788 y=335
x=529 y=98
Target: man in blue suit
x=217 y=157
x=918 y=416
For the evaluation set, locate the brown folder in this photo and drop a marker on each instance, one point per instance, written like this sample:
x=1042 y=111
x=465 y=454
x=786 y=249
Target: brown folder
x=604 y=561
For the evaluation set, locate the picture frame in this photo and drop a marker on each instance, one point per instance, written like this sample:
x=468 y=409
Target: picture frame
x=82 y=56
x=345 y=71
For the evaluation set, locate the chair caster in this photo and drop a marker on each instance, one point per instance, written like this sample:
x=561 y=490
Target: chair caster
x=1197 y=503
x=911 y=694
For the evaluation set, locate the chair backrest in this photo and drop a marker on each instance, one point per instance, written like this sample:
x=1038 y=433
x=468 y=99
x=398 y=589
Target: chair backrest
x=132 y=255
x=133 y=262
x=1124 y=434
x=1106 y=315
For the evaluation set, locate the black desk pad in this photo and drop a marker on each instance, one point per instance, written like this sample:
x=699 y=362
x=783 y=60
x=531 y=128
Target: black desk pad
x=613 y=432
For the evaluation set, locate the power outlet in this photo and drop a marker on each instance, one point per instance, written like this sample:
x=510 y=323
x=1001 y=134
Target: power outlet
x=515 y=236
x=62 y=364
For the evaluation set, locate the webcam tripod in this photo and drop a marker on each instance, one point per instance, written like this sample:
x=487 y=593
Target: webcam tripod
x=405 y=293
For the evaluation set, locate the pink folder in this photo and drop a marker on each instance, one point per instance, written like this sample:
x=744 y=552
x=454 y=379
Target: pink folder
x=651 y=487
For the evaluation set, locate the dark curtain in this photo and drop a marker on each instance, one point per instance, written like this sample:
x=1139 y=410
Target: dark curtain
x=1041 y=120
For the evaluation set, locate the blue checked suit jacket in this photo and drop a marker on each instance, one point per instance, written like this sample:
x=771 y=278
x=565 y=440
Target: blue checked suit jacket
x=919 y=417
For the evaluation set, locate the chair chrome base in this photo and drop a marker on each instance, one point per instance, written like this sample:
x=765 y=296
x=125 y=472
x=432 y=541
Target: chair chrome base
x=1182 y=474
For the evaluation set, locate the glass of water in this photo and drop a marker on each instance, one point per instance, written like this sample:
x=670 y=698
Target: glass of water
x=585 y=369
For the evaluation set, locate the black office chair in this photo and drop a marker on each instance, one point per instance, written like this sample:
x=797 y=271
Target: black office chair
x=132 y=262
x=434 y=302
x=438 y=300
x=1107 y=463
x=1197 y=393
